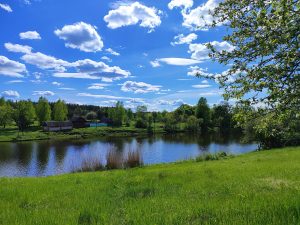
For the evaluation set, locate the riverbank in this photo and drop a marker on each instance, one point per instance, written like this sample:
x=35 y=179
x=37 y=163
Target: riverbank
x=11 y=134
x=256 y=188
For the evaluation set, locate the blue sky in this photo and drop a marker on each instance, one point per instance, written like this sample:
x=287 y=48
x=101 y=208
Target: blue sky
x=97 y=52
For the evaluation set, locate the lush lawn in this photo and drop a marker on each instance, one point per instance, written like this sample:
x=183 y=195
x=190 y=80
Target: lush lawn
x=255 y=188
x=11 y=133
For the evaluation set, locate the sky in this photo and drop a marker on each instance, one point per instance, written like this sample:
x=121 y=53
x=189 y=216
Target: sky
x=99 y=52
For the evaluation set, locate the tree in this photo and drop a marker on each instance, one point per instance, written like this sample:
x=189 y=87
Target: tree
x=221 y=117
x=24 y=114
x=117 y=114
x=5 y=113
x=92 y=116
x=203 y=113
x=193 y=124
x=43 y=110
x=171 y=124
x=141 y=120
x=264 y=57
x=60 y=111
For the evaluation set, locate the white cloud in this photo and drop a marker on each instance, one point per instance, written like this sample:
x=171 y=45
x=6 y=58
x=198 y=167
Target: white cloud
x=45 y=62
x=57 y=83
x=81 y=36
x=10 y=94
x=14 y=81
x=76 y=76
x=97 y=86
x=106 y=58
x=103 y=96
x=201 y=52
x=200 y=18
x=5 y=7
x=200 y=86
x=181 y=39
x=132 y=14
x=100 y=69
x=11 y=68
x=139 y=87
x=111 y=51
x=33 y=35
x=43 y=93
x=178 y=61
x=180 y=3
x=67 y=89
x=17 y=48
x=155 y=63
x=177 y=102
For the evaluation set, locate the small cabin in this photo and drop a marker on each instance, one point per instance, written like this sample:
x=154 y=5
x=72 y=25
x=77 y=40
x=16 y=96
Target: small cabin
x=57 y=126
x=79 y=122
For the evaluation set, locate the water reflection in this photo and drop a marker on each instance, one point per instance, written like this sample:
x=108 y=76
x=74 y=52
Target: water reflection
x=44 y=158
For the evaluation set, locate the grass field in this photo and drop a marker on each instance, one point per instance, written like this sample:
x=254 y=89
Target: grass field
x=11 y=133
x=256 y=188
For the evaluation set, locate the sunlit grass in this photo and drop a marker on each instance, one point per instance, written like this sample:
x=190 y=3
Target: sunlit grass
x=256 y=188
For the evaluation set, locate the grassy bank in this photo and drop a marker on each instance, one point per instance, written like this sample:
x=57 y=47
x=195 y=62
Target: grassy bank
x=35 y=133
x=256 y=188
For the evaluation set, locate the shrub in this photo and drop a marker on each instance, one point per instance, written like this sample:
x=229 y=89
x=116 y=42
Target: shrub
x=133 y=159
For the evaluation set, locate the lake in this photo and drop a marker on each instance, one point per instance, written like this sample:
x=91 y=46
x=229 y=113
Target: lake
x=46 y=158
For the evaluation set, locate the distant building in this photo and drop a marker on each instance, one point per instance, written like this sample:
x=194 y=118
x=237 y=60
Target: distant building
x=107 y=121
x=79 y=122
x=57 y=126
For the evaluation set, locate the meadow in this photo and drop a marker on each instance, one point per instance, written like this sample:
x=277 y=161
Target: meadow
x=255 y=188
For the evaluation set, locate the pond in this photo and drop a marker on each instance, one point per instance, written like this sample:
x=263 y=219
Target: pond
x=46 y=158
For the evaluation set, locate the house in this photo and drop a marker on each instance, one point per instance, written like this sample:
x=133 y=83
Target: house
x=107 y=121
x=57 y=126
x=79 y=122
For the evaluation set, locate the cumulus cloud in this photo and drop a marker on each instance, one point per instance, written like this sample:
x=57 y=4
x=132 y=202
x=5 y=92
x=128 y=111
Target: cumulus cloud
x=177 y=102
x=103 y=96
x=43 y=93
x=106 y=58
x=139 y=87
x=5 y=7
x=18 y=48
x=181 y=39
x=178 y=61
x=200 y=86
x=180 y=4
x=11 y=68
x=32 y=35
x=97 y=86
x=201 y=17
x=201 y=52
x=57 y=83
x=76 y=76
x=44 y=61
x=81 y=36
x=132 y=14
x=10 y=94
x=111 y=51
x=100 y=69
x=155 y=63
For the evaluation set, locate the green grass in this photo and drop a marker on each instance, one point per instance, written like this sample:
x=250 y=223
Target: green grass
x=256 y=188
x=11 y=133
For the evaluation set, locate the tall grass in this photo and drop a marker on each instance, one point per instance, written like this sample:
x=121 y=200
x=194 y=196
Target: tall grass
x=134 y=159
x=114 y=160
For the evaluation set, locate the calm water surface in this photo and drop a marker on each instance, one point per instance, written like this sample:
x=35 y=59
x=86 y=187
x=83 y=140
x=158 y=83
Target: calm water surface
x=45 y=158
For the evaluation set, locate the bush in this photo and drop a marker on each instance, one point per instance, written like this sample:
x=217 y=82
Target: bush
x=214 y=156
x=140 y=123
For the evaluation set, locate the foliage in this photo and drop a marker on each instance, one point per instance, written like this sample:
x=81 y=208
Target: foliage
x=193 y=124
x=203 y=112
x=222 y=117
x=24 y=114
x=60 y=111
x=265 y=36
x=171 y=123
x=43 y=110
x=5 y=113
x=117 y=114
x=92 y=116
x=141 y=117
